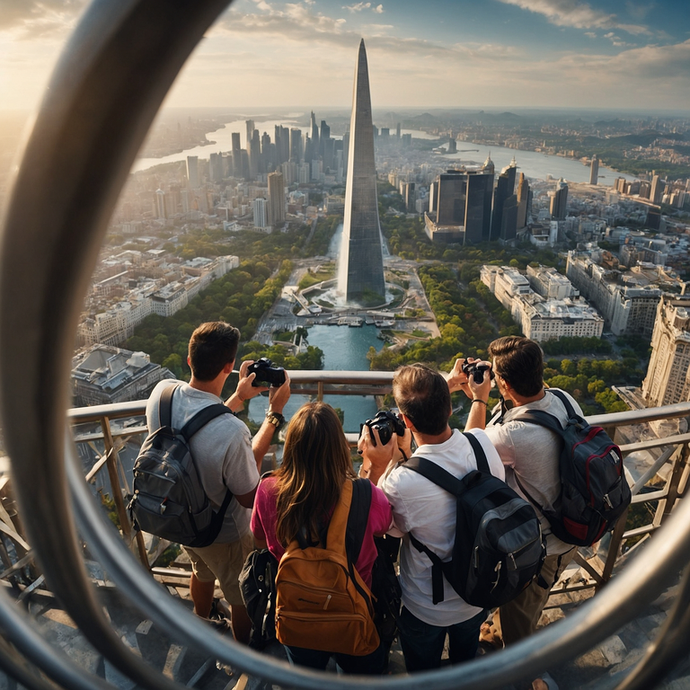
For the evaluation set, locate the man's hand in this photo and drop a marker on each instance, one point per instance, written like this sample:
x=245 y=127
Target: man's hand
x=375 y=456
x=278 y=397
x=480 y=390
x=405 y=443
x=245 y=390
x=457 y=379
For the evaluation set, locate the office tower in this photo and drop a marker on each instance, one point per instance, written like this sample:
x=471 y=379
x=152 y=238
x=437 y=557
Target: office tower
x=594 y=170
x=489 y=166
x=276 y=199
x=268 y=154
x=346 y=149
x=296 y=150
x=407 y=140
x=410 y=197
x=216 y=172
x=653 y=219
x=250 y=130
x=326 y=146
x=385 y=133
x=397 y=131
x=193 y=171
x=433 y=193
x=668 y=375
x=505 y=188
x=236 y=155
x=657 y=189
x=314 y=134
x=478 y=207
x=159 y=200
x=260 y=210
x=509 y=218
x=361 y=248
x=524 y=200
x=282 y=137
x=452 y=146
x=559 y=201
x=254 y=147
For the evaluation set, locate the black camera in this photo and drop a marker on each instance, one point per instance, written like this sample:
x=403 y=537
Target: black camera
x=477 y=370
x=266 y=373
x=386 y=423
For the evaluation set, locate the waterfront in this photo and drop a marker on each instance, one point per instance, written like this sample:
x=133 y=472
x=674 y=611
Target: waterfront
x=345 y=349
x=535 y=165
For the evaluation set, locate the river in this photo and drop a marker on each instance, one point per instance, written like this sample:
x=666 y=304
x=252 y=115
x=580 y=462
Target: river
x=345 y=349
x=533 y=164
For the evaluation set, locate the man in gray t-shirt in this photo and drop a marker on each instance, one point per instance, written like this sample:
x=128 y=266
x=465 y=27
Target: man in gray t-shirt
x=530 y=454
x=227 y=459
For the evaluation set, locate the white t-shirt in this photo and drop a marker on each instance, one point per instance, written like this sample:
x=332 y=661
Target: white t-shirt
x=222 y=451
x=429 y=512
x=532 y=452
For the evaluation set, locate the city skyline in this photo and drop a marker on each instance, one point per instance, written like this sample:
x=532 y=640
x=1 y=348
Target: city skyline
x=500 y=53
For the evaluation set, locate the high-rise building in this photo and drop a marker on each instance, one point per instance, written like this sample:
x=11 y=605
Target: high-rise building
x=361 y=248
x=314 y=133
x=505 y=187
x=296 y=147
x=260 y=209
x=397 y=131
x=478 y=206
x=657 y=189
x=509 y=219
x=250 y=130
x=193 y=171
x=668 y=374
x=268 y=154
x=254 y=147
x=559 y=201
x=594 y=170
x=276 y=199
x=524 y=200
x=236 y=155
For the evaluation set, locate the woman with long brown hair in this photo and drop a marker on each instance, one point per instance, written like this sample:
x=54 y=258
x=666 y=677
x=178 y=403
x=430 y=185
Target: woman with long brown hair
x=301 y=496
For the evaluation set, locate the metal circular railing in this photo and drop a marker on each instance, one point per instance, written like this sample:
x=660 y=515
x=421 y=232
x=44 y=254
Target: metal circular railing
x=103 y=96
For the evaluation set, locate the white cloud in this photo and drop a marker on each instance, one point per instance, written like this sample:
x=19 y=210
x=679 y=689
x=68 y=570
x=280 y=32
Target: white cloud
x=33 y=18
x=378 y=9
x=576 y=14
x=357 y=7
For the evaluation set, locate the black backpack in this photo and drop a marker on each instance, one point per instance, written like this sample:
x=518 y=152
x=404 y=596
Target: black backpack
x=169 y=500
x=385 y=586
x=499 y=547
x=258 y=589
x=594 y=491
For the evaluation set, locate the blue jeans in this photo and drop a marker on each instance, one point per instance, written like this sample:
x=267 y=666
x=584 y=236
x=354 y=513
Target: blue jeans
x=422 y=644
x=371 y=664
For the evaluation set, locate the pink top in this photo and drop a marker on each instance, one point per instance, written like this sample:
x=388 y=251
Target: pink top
x=264 y=525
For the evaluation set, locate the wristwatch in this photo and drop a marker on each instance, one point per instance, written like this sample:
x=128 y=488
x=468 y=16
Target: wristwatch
x=276 y=419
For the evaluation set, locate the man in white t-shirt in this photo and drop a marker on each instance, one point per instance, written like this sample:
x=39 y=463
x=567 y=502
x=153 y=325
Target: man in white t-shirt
x=226 y=457
x=531 y=455
x=425 y=509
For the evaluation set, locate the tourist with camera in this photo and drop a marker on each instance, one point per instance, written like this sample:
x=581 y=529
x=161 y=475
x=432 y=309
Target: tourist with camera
x=426 y=510
x=226 y=457
x=294 y=515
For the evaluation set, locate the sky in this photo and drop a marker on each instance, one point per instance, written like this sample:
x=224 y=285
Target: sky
x=497 y=54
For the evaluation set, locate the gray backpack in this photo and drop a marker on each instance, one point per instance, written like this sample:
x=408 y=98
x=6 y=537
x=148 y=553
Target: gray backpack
x=169 y=499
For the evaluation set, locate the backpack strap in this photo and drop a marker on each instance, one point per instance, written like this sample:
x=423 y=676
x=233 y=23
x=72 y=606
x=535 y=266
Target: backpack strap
x=479 y=454
x=165 y=405
x=436 y=474
x=202 y=418
x=358 y=518
x=199 y=420
x=566 y=403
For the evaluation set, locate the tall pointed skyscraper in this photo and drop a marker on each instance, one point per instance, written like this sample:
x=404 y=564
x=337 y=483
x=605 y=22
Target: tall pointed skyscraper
x=361 y=275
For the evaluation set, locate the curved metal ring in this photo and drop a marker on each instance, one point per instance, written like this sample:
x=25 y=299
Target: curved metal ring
x=102 y=99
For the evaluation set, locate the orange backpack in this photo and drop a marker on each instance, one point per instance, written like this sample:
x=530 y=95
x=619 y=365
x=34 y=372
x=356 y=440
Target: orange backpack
x=322 y=602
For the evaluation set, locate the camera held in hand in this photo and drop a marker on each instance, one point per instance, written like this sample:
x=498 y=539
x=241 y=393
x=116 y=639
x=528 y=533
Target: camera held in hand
x=266 y=373
x=476 y=369
x=386 y=423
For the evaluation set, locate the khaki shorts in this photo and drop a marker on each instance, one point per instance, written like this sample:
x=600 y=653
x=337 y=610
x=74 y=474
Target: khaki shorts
x=222 y=562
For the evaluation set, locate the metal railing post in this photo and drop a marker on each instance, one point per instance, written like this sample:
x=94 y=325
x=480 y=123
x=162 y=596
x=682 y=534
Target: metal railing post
x=116 y=489
x=614 y=548
x=665 y=506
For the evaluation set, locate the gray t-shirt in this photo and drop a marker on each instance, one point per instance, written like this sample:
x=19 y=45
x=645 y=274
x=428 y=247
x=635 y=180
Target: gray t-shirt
x=531 y=452
x=222 y=451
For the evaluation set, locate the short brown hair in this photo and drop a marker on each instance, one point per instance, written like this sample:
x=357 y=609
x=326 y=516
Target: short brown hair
x=520 y=362
x=211 y=347
x=422 y=395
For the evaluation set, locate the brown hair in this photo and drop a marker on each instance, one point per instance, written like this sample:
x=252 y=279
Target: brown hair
x=211 y=347
x=422 y=395
x=520 y=362
x=316 y=464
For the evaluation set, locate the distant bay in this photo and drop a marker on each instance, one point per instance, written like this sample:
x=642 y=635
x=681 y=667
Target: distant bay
x=533 y=164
